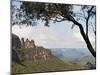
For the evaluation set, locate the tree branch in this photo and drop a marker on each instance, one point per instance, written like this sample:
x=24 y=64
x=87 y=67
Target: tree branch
x=87 y=19
x=86 y=38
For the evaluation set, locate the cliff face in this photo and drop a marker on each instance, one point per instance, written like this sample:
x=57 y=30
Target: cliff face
x=16 y=43
x=29 y=58
x=34 y=54
x=27 y=50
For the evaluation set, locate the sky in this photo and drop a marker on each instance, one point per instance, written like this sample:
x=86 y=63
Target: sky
x=58 y=35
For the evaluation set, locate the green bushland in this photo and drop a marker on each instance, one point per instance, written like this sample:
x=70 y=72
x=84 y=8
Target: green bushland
x=23 y=60
x=50 y=65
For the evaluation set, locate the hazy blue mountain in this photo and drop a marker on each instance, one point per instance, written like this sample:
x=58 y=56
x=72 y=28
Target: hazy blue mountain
x=73 y=55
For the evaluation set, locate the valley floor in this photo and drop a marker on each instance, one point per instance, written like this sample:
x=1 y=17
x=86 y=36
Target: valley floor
x=50 y=65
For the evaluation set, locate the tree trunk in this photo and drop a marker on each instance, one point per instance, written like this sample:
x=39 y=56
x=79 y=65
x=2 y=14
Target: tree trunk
x=86 y=38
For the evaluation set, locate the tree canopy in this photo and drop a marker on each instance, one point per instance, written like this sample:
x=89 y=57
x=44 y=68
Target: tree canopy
x=30 y=12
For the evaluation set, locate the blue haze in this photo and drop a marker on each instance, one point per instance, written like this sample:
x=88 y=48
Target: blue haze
x=73 y=55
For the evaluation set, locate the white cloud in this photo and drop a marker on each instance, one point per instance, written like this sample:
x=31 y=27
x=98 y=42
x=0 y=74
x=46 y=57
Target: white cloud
x=48 y=37
x=80 y=38
x=39 y=33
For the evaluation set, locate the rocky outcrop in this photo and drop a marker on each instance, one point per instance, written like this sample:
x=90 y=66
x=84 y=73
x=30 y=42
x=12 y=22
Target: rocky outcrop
x=37 y=54
x=27 y=43
x=17 y=43
x=27 y=50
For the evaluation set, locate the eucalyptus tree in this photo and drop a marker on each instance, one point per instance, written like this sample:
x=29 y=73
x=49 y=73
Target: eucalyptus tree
x=28 y=13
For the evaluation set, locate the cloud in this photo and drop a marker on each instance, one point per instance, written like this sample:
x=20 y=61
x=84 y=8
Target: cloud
x=39 y=33
x=51 y=36
x=80 y=38
x=47 y=37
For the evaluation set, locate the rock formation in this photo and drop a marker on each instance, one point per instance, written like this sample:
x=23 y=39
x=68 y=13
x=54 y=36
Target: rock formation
x=16 y=43
x=27 y=50
x=37 y=54
x=27 y=43
x=22 y=43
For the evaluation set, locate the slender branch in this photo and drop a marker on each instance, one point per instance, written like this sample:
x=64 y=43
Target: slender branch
x=94 y=30
x=87 y=19
x=86 y=38
x=80 y=15
x=84 y=14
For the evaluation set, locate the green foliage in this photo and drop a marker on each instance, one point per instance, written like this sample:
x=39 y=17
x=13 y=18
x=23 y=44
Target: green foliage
x=30 y=12
x=50 y=65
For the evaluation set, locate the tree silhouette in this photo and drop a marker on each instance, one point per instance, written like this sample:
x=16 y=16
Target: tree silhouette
x=30 y=12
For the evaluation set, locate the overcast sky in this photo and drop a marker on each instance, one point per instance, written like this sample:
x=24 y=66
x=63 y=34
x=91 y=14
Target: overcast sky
x=58 y=35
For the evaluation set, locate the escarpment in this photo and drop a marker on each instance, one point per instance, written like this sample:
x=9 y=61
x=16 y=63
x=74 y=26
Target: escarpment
x=27 y=50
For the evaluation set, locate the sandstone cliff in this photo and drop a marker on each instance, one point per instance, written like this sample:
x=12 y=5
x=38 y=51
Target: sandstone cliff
x=27 y=50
